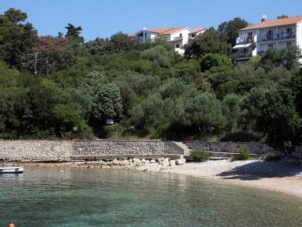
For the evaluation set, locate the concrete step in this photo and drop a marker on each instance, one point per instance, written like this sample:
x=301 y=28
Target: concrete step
x=186 y=149
x=221 y=156
x=227 y=154
x=218 y=158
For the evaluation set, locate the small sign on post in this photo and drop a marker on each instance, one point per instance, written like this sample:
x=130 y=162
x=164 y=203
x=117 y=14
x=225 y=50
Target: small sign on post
x=109 y=121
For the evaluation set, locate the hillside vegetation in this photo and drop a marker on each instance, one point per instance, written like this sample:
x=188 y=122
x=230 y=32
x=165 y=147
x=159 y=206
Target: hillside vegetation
x=63 y=87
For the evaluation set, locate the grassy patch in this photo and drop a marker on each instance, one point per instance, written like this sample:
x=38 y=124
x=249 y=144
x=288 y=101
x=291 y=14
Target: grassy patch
x=244 y=154
x=199 y=155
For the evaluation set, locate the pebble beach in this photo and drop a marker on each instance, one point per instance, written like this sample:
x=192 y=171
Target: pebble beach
x=277 y=176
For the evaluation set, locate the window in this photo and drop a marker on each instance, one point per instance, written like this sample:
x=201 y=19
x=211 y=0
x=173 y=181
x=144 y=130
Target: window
x=289 y=30
x=193 y=35
x=270 y=35
x=177 y=45
x=180 y=34
x=250 y=37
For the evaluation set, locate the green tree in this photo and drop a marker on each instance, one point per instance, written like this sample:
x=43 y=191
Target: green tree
x=153 y=116
x=214 y=60
x=107 y=102
x=173 y=88
x=282 y=16
x=287 y=58
x=201 y=110
x=97 y=46
x=231 y=111
x=158 y=41
x=16 y=39
x=187 y=70
x=158 y=55
x=69 y=123
x=251 y=107
x=73 y=33
x=280 y=121
x=211 y=41
x=231 y=29
x=15 y=15
x=295 y=85
x=121 y=42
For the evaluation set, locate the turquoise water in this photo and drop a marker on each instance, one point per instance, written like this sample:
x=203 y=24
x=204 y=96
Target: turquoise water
x=56 y=196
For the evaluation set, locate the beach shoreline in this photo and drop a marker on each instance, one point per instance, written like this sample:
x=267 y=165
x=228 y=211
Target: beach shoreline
x=278 y=176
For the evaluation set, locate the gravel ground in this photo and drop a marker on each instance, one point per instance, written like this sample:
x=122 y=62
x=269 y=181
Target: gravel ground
x=277 y=176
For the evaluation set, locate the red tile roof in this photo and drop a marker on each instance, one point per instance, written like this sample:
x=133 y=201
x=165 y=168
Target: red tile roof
x=160 y=30
x=196 y=30
x=274 y=23
x=169 y=32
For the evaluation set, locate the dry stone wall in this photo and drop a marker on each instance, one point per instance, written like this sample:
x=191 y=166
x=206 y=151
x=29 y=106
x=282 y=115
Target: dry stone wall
x=77 y=150
x=230 y=147
x=55 y=151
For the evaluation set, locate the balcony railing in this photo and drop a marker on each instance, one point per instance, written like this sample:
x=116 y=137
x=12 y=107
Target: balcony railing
x=178 y=38
x=279 y=36
x=245 y=40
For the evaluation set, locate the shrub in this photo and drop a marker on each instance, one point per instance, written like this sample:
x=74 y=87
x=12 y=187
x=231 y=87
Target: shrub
x=271 y=157
x=244 y=154
x=200 y=155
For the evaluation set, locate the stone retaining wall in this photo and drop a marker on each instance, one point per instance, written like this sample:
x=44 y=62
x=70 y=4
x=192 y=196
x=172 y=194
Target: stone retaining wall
x=85 y=150
x=55 y=151
x=230 y=147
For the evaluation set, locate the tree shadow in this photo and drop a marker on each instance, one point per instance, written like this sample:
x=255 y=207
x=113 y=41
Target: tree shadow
x=260 y=169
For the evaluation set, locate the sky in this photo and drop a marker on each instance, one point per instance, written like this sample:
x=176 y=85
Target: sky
x=103 y=18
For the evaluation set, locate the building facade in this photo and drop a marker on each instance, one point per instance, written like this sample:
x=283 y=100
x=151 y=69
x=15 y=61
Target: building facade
x=179 y=37
x=255 y=39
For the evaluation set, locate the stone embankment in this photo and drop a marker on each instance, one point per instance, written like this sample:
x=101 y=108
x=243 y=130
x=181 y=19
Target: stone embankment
x=94 y=150
x=105 y=150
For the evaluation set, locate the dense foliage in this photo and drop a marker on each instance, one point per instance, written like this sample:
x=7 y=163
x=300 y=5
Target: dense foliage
x=64 y=87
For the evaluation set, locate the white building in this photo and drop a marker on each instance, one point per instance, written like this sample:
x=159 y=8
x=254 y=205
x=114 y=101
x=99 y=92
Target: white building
x=255 y=39
x=178 y=36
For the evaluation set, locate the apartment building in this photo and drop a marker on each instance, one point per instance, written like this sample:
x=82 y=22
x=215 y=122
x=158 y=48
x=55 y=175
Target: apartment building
x=255 y=39
x=179 y=37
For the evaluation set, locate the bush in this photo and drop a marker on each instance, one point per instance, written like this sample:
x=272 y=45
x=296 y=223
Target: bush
x=214 y=60
x=271 y=157
x=200 y=155
x=244 y=154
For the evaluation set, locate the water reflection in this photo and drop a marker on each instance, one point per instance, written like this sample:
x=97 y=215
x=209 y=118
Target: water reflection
x=92 y=197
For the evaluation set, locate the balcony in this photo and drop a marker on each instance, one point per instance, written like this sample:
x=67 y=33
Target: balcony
x=139 y=39
x=280 y=36
x=175 y=39
x=245 y=40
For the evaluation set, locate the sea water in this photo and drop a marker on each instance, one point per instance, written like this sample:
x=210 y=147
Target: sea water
x=65 y=196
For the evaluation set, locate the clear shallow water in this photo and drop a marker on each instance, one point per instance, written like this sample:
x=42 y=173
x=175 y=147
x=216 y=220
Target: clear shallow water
x=94 y=197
